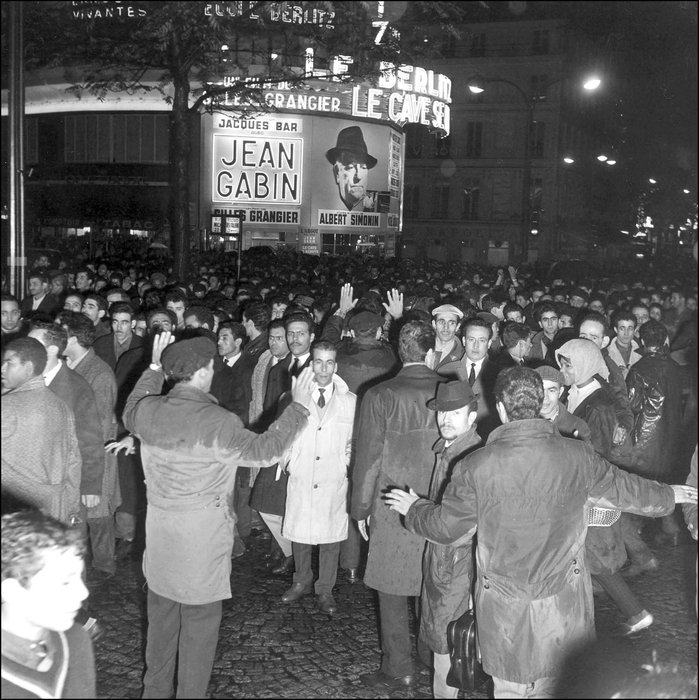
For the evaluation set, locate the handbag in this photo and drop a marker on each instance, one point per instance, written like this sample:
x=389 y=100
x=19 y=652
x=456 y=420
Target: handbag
x=465 y=671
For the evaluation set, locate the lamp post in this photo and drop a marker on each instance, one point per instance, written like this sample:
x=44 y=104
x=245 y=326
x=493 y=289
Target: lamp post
x=476 y=86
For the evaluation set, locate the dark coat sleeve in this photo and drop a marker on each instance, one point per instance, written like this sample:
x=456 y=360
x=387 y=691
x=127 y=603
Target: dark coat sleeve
x=367 y=465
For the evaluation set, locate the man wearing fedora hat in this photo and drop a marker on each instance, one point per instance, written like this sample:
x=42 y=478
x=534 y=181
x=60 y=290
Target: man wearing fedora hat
x=351 y=165
x=448 y=568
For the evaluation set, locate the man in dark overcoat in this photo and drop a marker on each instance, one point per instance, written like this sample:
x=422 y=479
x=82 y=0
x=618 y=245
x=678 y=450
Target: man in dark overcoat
x=397 y=434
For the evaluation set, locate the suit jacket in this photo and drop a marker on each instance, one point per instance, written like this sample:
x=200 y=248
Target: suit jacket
x=269 y=493
x=484 y=387
x=232 y=386
x=77 y=393
x=127 y=369
x=49 y=305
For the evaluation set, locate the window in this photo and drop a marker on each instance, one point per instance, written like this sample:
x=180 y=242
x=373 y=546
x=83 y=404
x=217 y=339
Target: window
x=442 y=147
x=471 y=199
x=440 y=201
x=411 y=201
x=116 y=138
x=478 y=45
x=538 y=132
x=414 y=140
x=474 y=137
x=540 y=43
x=539 y=84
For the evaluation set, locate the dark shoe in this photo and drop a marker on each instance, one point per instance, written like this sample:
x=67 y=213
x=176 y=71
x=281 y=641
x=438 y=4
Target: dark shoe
x=379 y=679
x=286 y=566
x=123 y=549
x=353 y=576
x=99 y=576
x=326 y=603
x=297 y=590
x=637 y=568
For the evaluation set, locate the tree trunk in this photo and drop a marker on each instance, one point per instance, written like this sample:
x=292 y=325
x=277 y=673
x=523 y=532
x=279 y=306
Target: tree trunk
x=179 y=172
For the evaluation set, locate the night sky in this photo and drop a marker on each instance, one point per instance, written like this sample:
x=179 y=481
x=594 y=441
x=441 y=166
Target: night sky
x=654 y=85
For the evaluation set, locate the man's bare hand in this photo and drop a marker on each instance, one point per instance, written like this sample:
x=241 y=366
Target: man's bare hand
x=160 y=342
x=685 y=494
x=395 y=303
x=127 y=443
x=400 y=501
x=362 y=527
x=302 y=387
x=347 y=303
x=90 y=500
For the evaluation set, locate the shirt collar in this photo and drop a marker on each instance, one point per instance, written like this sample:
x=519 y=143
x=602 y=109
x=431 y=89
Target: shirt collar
x=51 y=374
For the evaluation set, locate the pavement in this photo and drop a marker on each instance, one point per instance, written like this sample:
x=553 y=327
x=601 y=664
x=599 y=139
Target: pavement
x=269 y=649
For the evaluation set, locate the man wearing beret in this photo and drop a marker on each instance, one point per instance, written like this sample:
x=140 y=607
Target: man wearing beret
x=190 y=448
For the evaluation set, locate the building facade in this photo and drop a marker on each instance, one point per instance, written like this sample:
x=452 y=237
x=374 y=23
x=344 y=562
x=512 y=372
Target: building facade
x=464 y=198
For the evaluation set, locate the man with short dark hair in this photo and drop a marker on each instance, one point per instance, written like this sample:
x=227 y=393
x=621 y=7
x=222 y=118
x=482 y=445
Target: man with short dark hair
x=41 y=461
x=79 y=397
x=176 y=301
x=39 y=299
x=547 y=318
x=527 y=493
x=268 y=496
x=398 y=431
x=318 y=465
x=81 y=358
x=12 y=324
x=95 y=308
x=624 y=351
x=122 y=350
x=655 y=385
x=256 y=318
x=516 y=344
x=190 y=448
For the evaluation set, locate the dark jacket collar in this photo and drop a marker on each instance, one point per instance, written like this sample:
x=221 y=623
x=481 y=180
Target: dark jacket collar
x=531 y=427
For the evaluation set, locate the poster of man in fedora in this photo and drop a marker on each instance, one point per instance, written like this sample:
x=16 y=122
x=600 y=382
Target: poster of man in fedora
x=351 y=163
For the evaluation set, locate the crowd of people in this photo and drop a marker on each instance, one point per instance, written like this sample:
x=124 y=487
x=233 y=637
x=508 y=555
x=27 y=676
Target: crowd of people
x=298 y=396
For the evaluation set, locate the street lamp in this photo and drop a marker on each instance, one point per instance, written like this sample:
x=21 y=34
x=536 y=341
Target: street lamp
x=476 y=85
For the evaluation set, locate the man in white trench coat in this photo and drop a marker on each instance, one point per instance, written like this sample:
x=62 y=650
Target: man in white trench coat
x=318 y=465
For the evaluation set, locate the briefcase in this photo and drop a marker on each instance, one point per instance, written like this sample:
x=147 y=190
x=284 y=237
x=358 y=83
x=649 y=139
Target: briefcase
x=465 y=670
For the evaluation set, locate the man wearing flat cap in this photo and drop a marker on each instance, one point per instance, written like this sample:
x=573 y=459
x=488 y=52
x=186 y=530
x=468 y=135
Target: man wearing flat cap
x=351 y=164
x=445 y=321
x=190 y=448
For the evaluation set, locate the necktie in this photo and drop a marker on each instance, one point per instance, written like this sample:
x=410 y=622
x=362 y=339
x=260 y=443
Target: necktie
x=294 y=371
x=321 y=398
x=472 y=374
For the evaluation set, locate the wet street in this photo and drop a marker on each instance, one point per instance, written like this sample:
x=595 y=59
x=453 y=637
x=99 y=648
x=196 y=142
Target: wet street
x=269 y=649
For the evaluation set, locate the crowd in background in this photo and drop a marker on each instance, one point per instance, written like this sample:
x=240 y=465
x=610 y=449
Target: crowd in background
x=616 y=350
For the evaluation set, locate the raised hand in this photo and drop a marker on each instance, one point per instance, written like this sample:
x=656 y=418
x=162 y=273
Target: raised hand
x=346 y=301
x=395 y=303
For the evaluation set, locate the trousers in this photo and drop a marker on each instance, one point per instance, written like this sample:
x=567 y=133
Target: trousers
x=395 y=635
x=328 y=555
x=182 y=636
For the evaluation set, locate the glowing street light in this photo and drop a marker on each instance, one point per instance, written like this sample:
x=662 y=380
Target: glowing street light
x=569 y=160
x=652 y=181
x=686 y=191
x=592 y=83
x=611 y=162
x=602 y=158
